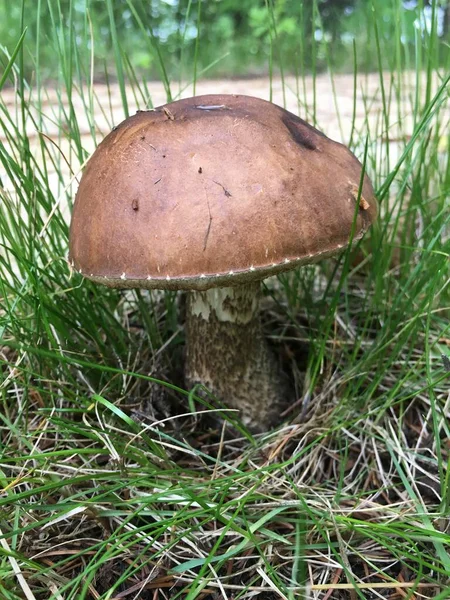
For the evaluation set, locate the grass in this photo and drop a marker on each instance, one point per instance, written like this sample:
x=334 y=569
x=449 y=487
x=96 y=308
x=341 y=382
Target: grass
x=115 y=482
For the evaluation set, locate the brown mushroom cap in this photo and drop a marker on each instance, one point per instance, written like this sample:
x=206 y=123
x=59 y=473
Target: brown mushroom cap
x=213 y=191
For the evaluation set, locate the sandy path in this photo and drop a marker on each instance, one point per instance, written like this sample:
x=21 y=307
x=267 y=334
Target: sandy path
x=334 y=104
x=98 y=109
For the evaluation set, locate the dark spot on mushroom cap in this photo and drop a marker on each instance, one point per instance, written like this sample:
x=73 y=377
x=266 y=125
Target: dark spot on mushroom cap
x=135 y=204
x=301 y=135
x=303 y=123
x=200 y=170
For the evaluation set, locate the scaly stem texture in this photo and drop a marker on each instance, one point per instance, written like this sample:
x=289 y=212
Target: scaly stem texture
x=227 y=353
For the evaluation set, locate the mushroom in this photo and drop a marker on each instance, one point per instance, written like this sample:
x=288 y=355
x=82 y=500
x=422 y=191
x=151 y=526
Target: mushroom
x=211 y=195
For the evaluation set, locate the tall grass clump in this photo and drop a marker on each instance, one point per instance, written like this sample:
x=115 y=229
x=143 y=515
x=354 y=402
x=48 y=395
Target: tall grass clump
x=115 y=481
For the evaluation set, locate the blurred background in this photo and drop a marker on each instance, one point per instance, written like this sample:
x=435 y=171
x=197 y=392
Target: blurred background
x=223 y=37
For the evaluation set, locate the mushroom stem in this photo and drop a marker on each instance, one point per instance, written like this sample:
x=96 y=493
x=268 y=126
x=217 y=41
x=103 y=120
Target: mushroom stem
x=227 y=353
